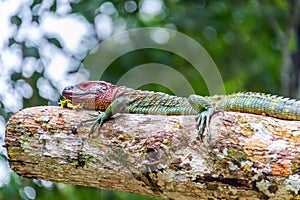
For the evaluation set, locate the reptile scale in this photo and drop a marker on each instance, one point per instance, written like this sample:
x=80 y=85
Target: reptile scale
x=109 y=99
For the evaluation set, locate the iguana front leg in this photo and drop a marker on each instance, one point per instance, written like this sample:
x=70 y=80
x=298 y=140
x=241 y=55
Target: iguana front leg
x=119 y=105
x=206 y=110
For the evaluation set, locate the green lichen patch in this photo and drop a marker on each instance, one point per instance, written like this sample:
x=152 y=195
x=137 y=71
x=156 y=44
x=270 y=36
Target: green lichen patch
x=81 y=160
x=235 y=155
x=212 y=186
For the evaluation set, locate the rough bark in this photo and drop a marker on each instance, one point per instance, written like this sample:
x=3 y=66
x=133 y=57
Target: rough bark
x=247 y=157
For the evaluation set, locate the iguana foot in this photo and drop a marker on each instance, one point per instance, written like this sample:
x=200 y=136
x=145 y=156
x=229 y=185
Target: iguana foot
x=98 y=119
x=206 y=110
x=117 y=106
x=203 y=120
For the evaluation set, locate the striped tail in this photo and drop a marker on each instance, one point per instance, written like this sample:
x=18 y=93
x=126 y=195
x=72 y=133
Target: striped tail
x=259 y=103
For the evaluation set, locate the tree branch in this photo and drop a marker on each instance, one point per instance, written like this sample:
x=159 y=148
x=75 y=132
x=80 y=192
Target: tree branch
x=248 y=156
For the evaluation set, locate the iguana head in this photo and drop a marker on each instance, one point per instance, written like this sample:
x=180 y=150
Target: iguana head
x=93 y=95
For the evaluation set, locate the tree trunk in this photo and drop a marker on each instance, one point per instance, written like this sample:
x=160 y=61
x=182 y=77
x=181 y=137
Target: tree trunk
x=289 y=40
x=247 y=157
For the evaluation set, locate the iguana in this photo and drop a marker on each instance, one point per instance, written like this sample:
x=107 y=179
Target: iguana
x=109 y=99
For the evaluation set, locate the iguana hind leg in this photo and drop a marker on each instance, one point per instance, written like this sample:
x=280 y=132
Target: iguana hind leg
x=206 y=110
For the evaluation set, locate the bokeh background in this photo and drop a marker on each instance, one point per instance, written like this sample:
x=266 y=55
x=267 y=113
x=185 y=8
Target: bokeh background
x=44 y=45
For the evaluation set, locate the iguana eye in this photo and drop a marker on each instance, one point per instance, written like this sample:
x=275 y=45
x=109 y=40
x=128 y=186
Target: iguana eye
x=101 y=89
x=85 y=84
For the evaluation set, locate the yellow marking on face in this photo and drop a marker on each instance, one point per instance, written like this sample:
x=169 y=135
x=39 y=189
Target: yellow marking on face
x=66 y=103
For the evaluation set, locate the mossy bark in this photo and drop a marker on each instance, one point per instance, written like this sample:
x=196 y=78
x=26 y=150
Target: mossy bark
x=247 y=156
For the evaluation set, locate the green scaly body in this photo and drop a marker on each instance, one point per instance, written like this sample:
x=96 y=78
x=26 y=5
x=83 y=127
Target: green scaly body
x=147 y=102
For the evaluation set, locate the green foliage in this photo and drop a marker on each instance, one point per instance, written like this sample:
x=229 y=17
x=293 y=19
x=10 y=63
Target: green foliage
x=16 y=190
x=236 y=34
